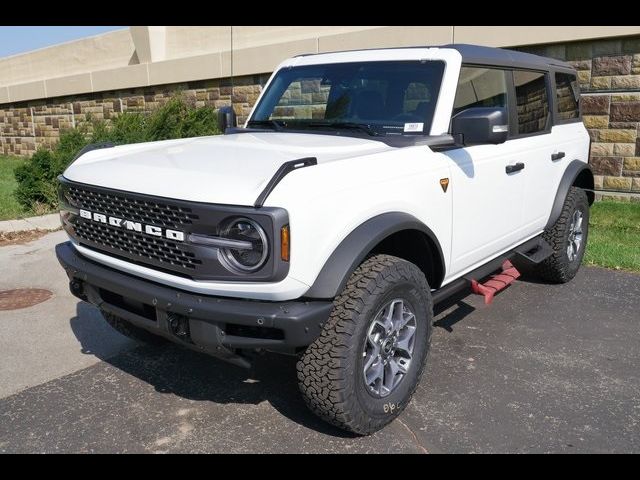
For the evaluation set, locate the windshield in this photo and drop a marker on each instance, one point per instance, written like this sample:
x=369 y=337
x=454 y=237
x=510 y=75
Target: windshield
x=373 y=98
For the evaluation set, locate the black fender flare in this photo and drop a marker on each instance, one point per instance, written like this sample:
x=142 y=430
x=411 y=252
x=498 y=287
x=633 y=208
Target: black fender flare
x=575 y=168
x=354 y=248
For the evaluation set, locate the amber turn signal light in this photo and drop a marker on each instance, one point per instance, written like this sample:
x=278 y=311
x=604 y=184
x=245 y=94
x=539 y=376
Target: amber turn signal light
x=284 y=243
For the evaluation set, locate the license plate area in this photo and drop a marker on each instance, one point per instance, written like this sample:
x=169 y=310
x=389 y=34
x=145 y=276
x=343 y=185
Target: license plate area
x=138 y=308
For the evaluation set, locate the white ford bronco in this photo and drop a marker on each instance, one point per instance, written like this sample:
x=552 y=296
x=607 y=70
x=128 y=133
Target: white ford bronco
x=365 y=187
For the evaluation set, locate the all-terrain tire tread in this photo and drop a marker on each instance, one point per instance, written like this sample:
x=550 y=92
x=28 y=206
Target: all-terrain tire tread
x=324 y=370
x=555 y=269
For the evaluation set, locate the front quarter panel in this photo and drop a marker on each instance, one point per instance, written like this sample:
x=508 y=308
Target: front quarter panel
x=328 y=201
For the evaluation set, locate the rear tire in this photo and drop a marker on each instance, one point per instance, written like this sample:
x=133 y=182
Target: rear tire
x=362 y=370
x=568 y=238
x=127 y=329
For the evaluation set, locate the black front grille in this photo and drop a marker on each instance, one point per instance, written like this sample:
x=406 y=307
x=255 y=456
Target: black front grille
x=142 y=246
x=151 y=212
x=161 y=250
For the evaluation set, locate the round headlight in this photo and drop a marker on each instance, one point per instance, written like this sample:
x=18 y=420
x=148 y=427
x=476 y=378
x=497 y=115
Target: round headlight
x=252 y=250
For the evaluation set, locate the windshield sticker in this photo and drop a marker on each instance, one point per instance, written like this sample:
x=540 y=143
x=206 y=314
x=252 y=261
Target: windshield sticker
x=413 y=127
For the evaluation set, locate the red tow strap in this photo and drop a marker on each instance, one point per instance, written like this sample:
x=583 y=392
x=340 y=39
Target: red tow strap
x=496 y=283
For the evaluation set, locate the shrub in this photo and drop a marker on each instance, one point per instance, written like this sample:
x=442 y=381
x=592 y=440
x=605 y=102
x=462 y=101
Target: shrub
x=37 y=184
x=129 y=127
x=37 y=180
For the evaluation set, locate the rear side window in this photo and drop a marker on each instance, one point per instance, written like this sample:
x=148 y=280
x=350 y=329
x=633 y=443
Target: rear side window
x=480 y=87
x=532 y=101
x=567 y=95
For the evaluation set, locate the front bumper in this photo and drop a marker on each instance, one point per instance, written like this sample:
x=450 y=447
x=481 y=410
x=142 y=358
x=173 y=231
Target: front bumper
x=215 y=325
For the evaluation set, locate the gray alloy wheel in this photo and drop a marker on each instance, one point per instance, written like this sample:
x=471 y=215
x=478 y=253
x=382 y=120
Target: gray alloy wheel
x=389 y=348
x=575 y=235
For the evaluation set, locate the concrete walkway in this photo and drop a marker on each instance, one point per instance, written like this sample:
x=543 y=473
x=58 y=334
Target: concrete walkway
x=37 y=344
x=43 y=222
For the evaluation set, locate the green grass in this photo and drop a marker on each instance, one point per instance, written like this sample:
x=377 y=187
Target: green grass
x=614 y=236
x=9 y=206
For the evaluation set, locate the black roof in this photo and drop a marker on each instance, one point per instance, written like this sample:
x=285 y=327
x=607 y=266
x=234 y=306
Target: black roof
x=476 y=54
x=504 y=57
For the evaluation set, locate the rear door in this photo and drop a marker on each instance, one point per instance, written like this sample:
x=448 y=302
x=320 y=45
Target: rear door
x=537 y=145
x=547 y=152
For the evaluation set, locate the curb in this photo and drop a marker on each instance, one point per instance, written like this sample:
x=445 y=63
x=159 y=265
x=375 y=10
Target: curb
x=44 y=222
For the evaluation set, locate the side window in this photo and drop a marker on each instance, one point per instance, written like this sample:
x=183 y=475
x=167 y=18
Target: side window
x=532 y=101
x=480 y=87
x=567 y=96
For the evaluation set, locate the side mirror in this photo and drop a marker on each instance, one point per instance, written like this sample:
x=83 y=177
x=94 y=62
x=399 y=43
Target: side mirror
x=481 y=125
x=226 y=118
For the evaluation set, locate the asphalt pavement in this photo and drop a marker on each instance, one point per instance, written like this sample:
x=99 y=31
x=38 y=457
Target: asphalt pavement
x=546 y=368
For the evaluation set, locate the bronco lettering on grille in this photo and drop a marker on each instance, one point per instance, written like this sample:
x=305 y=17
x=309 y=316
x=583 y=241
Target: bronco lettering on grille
x=133 y=226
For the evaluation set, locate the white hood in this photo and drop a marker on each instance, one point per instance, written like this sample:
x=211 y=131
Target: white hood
x=227 y=169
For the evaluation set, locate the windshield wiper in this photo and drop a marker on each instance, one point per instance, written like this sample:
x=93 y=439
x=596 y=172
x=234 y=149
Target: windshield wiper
x=274 y=124
x=347 y=125
x=279 y=126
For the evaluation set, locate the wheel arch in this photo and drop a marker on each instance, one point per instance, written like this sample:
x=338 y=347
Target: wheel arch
x=577 y=174
x=394 y=233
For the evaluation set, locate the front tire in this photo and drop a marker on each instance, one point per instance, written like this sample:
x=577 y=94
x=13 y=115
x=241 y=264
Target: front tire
x=568 y=238
x=362 y=370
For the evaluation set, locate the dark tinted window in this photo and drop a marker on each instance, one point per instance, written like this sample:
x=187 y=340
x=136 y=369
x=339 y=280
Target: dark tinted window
x=532 y=101
x=480 y=87
x=389 y=97
x=417 y=96
x=567 y=95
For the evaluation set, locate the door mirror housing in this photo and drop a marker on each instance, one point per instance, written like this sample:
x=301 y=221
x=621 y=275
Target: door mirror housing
x=481 y=125
x=226 y=118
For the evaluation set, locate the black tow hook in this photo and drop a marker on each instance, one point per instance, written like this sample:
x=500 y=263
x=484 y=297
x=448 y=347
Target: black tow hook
x=77 y=288
x=179 y=326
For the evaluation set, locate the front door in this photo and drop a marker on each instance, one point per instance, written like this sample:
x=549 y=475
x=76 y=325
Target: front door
x=488 y=193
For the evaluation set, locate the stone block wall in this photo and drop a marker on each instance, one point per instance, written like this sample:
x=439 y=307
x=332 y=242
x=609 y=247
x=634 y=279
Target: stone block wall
x=609 y=77
x=27 y=126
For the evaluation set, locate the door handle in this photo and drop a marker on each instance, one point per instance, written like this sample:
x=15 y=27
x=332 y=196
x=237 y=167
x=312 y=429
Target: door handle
x=514 y=168
x=557 y=156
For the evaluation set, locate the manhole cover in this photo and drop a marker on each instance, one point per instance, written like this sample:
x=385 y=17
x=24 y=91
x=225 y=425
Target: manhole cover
x=23 y=298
